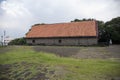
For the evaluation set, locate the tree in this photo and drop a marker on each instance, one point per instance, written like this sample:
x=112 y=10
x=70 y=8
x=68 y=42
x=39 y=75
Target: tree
x=18 y=41
x=79 y=20
x=102 y=34
x=113 y=29
x=38 y=24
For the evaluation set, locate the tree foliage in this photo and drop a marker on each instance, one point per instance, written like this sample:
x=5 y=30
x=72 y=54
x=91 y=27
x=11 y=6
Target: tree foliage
x=113 y=29
x=38 y=24
x=79 y=20
x=18 y=41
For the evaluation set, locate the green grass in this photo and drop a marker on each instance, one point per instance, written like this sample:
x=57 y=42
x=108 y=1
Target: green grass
x=65 y=68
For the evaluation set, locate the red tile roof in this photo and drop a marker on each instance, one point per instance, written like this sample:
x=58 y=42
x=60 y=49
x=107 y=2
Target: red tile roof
x=73 y=29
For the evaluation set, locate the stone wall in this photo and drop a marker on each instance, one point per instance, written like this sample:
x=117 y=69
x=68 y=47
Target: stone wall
x=62 y=41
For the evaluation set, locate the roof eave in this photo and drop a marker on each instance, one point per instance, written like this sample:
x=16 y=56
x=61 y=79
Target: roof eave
x=62 y=37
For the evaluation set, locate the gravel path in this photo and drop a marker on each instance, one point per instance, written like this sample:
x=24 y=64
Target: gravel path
x=112 y=51
x=58 y=50
x=5 y=49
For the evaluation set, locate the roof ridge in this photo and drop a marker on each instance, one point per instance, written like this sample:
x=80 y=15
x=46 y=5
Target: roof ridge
x=63 y=23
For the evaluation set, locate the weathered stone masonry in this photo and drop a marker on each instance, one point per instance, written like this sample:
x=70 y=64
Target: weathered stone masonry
x=62 y=41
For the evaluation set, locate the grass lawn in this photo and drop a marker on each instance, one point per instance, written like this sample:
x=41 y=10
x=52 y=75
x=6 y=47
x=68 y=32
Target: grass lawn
x=24 y=63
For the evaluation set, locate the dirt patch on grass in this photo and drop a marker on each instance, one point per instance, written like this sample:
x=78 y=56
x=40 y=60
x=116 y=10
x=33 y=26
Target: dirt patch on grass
x=4 y=70
x=28 y=71
x=112 y=51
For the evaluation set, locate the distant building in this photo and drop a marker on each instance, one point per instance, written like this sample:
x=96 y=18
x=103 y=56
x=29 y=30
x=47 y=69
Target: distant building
x=74 y=33
x=0 y=43
x=7 y=40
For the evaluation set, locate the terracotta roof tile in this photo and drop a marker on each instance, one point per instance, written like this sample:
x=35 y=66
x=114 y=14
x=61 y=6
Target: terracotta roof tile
x=73 y=29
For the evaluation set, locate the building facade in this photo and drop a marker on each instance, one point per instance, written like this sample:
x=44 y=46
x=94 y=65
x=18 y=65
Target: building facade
x=71 y=34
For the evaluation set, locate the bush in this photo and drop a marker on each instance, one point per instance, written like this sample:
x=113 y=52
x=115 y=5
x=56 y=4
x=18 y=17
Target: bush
x=18 y=41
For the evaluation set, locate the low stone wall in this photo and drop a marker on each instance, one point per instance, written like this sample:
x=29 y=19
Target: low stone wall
x=62 y=41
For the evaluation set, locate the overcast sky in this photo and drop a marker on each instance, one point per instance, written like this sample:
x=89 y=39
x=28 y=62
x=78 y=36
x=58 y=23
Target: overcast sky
x=17 y=16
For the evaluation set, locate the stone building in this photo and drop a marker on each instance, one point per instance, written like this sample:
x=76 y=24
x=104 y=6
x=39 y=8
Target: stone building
x=74 y=33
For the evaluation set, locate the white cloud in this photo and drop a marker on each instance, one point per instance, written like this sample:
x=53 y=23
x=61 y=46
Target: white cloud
x=16 y=16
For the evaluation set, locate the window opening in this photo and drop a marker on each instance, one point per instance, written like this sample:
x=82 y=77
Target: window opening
x=33 y=41
x=60 y=41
